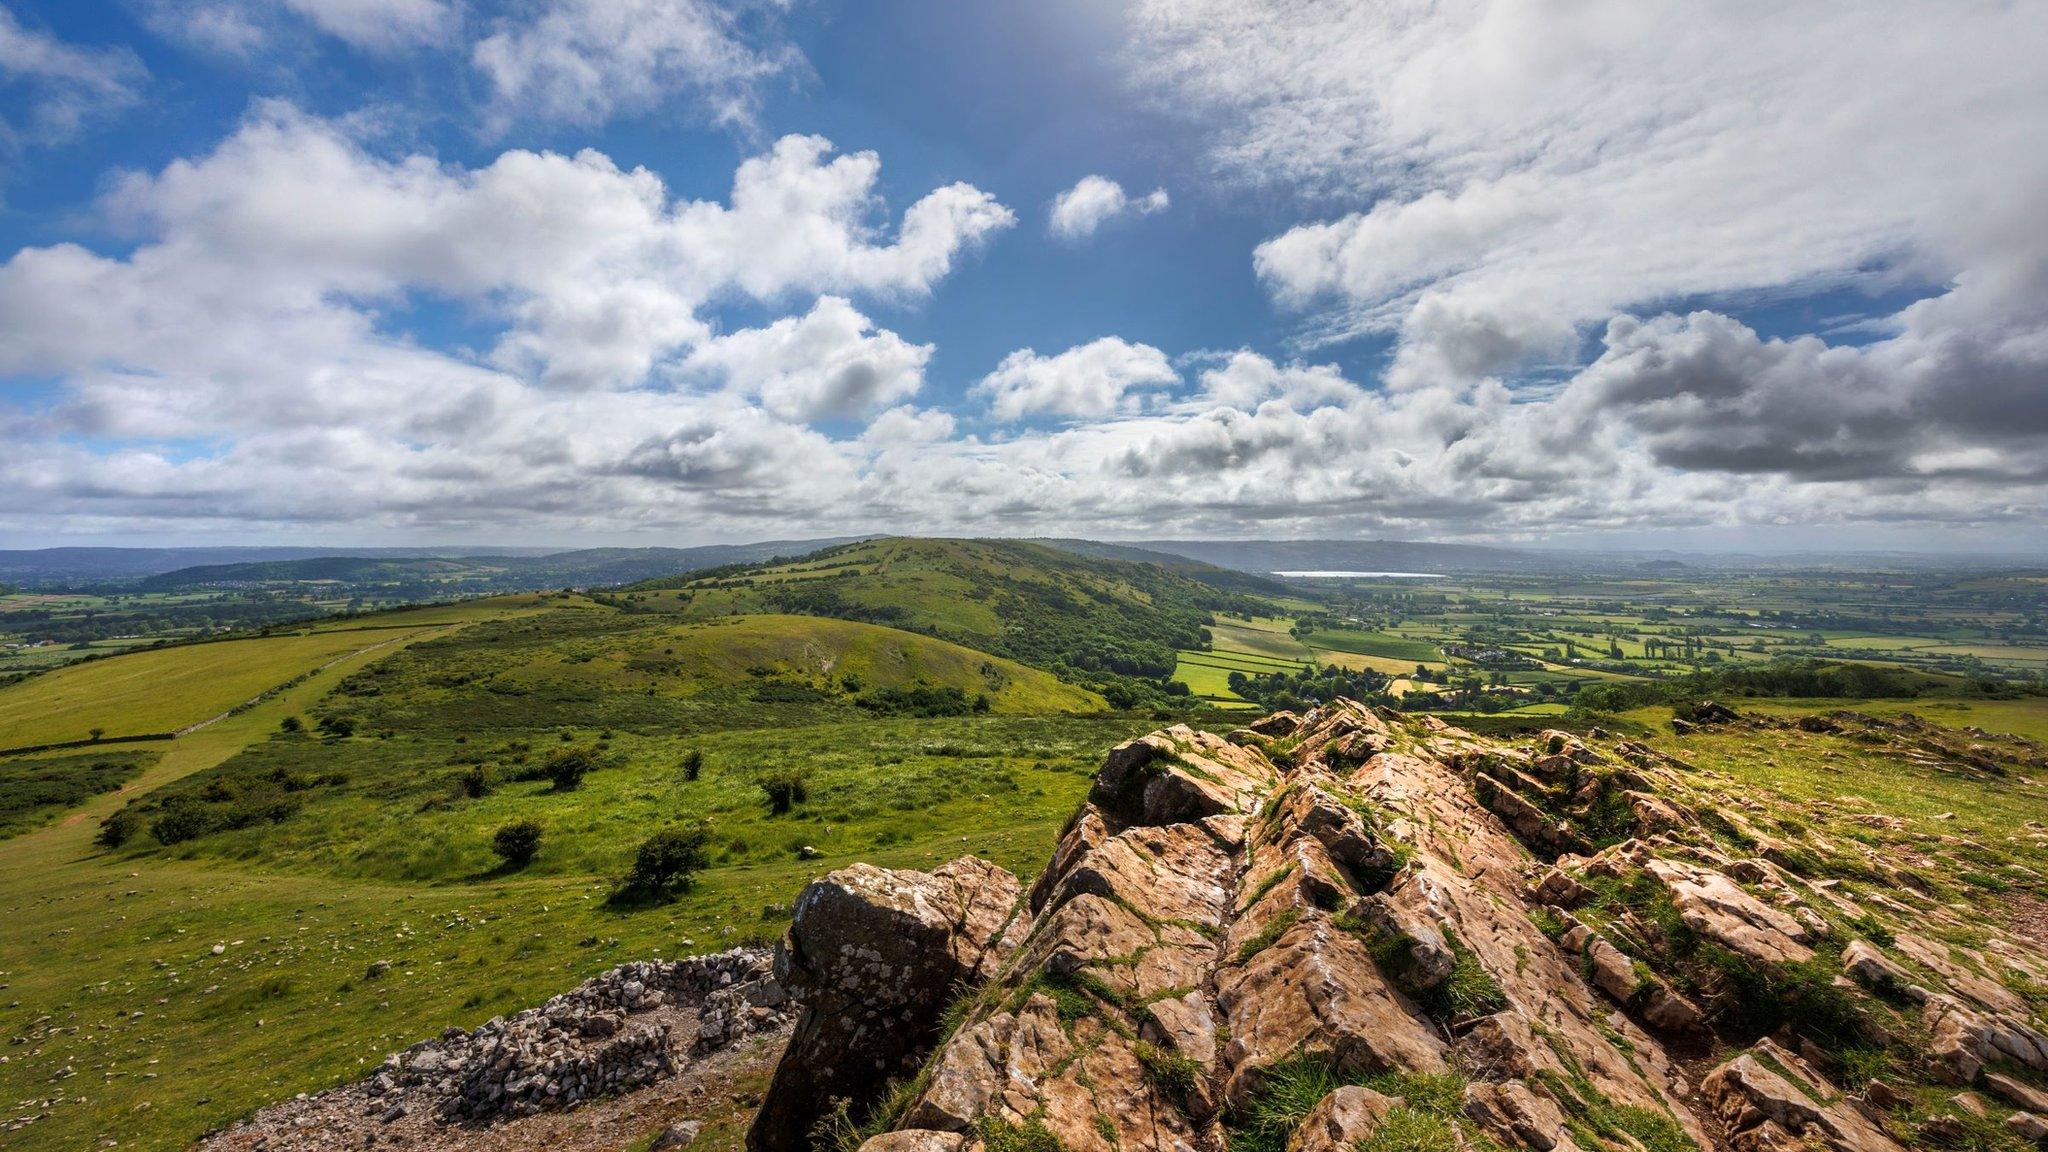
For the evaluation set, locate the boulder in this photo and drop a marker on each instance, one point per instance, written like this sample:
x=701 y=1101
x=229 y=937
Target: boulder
x=874 y=957
x=2028 y=1126
x=1179 y=775
x=915 y=1140
x=1718 y=908
x=1746 y=1095
x=1278 y=726
x=1873 y=969
x=1341 y=1120
x=1517 y=1116
x=2017 y=1093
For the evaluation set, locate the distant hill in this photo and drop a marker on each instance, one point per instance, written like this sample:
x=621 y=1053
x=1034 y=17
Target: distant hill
x=1232 y=579
x=1362 y=556
x=1112 y=624
x=526 y=567
x=484 y=572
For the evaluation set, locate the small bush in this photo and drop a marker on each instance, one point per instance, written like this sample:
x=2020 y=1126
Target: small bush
x=517 y=843
x=119 y=828
x=785 y=789
x=291 y=724
x=693 y=765
x=567 y=767
x=667 y=861
x=476 y=781
x=338 y=727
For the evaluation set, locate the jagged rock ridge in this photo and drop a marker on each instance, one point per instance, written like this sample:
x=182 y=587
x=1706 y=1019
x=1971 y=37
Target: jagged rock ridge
x=1353 y=930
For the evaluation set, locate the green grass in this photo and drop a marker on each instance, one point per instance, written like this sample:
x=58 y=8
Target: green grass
x=386 y=861
x=1376 y=644
x=165 y=689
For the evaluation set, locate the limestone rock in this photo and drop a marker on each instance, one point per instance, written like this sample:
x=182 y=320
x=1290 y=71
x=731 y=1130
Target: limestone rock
x=1518 y=1116
x=915 y=1140
x=874 y=957
x=1179 y=775
x=1341 y=1120
x=1719 y=909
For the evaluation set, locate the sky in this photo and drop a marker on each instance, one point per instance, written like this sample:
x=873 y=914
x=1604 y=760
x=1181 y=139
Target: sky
x=1573 y=273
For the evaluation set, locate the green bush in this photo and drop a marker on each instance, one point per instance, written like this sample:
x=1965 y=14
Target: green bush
x=785 y=789
x=668 y=860
x=517 y=843
x=119 y=828
x=693 y=765
x=567 y=767
x=476 y=781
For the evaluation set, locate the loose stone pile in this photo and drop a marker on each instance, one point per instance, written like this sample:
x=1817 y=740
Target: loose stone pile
x=588 y=1042
x=624 y=1030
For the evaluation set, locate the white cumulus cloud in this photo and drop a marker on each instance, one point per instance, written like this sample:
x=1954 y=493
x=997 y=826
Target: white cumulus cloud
x=1092 y=379
x=827 y=363
x=1095 y=200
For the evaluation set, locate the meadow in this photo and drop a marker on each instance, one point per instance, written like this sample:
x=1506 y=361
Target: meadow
x=166 y=689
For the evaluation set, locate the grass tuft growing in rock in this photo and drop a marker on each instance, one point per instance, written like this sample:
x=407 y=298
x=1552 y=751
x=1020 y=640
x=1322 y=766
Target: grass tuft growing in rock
x=1274 y=929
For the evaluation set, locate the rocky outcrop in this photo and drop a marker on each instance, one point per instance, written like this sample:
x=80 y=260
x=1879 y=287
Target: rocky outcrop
x=874 y=957
x=1768 y=1098
x=1214 y=927
x=1346 y=923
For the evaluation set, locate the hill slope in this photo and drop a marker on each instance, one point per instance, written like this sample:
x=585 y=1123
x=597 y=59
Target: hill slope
x=1108 y=623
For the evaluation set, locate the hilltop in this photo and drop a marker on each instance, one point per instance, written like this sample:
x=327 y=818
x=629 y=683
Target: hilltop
x=1112 y=624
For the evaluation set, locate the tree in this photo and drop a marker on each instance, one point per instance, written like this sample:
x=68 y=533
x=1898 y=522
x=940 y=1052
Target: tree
x=97 y=733
x=291 y=724
x=517 y=843
x=668 y=860
x=337 y=726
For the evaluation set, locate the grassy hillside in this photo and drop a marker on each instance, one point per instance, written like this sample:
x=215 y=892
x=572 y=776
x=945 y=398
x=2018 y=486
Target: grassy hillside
x=165 y=689
x=368 y=847
x=1109 y=623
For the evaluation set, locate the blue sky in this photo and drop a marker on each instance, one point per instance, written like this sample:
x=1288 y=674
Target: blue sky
x=375 y=271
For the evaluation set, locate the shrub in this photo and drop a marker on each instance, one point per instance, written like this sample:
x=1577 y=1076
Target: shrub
x=668 y=860
x=180 y=823
x=517 y=843
x=119 y=828
x=476 y=781
x=785 y=789
x=693 y=765
x=337 y=726
x=568 y=766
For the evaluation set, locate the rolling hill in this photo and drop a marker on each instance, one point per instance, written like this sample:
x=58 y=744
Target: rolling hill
x=480 y=572
x=1112 y=624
